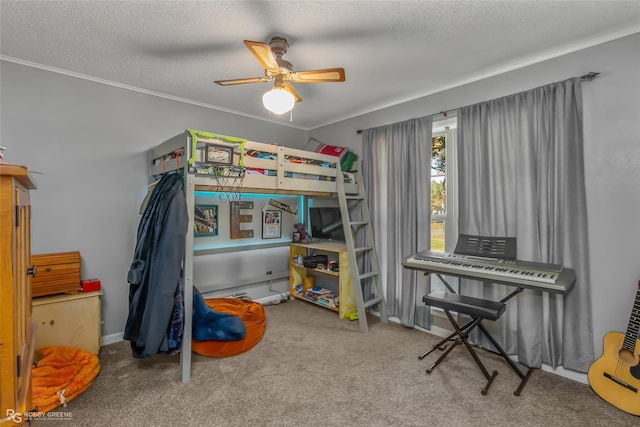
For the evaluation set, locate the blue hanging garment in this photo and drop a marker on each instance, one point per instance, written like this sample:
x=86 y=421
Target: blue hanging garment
x=209 y=324
x=156 y=269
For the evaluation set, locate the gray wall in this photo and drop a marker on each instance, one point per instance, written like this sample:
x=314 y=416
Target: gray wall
x=87 y=143
x=612 y=159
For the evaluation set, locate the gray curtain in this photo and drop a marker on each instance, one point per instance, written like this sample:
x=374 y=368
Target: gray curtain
x=521 y=173
x=396 y=170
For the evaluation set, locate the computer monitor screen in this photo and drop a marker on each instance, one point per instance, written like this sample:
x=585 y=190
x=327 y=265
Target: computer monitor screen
x=326 y=223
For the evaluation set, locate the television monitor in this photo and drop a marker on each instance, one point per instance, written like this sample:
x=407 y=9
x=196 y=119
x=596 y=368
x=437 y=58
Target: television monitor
x=326 y=223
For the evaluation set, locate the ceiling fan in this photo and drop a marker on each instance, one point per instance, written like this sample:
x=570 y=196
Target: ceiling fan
x=283 y=96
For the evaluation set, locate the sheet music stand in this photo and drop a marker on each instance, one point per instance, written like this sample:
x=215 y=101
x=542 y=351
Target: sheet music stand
x=477 y=308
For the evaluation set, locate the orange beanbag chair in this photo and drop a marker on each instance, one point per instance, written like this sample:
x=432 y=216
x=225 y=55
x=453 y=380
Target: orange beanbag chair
x=61 y=374
x=254 y=318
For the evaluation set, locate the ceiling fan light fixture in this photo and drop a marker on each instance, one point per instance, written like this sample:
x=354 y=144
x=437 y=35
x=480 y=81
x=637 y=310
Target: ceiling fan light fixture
x=282 y=98
x=278 y=100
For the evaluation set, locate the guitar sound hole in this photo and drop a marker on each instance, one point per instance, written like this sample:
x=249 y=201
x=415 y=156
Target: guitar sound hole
x=626 y=356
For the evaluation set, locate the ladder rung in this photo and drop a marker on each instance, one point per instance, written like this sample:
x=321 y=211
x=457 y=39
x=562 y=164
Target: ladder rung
x=358 y=223
x=372 y=302
x=363 y=249
x=357 y=197
x=369 y=274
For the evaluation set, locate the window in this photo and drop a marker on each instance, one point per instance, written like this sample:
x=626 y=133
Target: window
x=443 y=227
x=438 y=191
x=444 y=232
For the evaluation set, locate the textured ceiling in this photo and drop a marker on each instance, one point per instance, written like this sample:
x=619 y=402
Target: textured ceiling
x=392 y=51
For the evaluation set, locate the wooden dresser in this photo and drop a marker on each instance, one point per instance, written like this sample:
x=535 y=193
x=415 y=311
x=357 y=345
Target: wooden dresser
x=16 y=328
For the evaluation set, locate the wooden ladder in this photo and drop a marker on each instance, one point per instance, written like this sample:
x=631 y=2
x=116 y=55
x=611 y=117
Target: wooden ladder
x=363 y=258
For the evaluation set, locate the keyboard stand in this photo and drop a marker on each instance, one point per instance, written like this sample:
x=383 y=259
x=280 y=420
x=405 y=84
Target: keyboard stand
x=479 y=310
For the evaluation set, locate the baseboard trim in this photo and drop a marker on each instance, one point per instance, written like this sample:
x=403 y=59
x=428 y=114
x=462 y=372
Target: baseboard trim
x=274 y=299
x=111 y=339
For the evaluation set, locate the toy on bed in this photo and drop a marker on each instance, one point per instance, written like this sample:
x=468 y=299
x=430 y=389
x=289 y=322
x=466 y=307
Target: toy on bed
x=347 y=157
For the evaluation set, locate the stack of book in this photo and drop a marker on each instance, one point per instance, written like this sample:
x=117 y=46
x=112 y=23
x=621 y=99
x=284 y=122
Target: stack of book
x=322 y=296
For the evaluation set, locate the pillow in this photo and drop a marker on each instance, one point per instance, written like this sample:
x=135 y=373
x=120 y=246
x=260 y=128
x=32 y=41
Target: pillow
x=347 y=158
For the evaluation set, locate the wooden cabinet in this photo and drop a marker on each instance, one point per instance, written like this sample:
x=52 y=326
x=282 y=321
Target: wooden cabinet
x=68 y=320
x=301 y=278
x=16 y=328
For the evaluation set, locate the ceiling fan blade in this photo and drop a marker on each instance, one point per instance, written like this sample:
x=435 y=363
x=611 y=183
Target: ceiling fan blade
x=292 y=91
x=318 y=76
x=262 y=52
x=241 y=81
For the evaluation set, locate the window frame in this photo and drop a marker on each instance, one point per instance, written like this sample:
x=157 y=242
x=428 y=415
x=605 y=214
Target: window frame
x=449 y=217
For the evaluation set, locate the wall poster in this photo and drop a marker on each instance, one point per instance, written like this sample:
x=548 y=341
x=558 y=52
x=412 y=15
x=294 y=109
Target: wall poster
x=205 y=220
x=271 y=224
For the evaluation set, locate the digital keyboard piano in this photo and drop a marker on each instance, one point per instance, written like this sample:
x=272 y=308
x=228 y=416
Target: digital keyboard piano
x=488 y=259
x=522 y=274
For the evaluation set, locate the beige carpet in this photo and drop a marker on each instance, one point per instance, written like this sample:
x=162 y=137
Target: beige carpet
x=313 y=369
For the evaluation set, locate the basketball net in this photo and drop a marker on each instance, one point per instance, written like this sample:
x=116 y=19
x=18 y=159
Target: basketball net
x=229 y=182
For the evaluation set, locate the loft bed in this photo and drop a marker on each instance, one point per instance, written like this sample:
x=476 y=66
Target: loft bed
x=211 y=162
x=266 y=168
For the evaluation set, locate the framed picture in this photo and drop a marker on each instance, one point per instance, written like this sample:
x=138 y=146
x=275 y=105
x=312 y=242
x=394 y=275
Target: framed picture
x=296 y=237
x=205 y=220
x=271 y=224
x=219 y=155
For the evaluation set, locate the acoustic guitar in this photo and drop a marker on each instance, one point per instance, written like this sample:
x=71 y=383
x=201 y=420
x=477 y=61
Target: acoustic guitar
x=615 y=376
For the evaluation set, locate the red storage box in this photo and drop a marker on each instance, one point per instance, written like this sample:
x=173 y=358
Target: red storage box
x=90 y=285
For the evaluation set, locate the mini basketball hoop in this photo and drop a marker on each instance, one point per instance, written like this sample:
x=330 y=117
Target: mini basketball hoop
x=229 y=182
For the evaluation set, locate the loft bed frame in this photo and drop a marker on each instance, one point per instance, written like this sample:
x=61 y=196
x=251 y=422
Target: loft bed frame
x=270 y=168
x=267 y=168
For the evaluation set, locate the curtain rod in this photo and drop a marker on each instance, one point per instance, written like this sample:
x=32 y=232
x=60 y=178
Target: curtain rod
x=589 y=76
x=585 y=77
x=442 y=113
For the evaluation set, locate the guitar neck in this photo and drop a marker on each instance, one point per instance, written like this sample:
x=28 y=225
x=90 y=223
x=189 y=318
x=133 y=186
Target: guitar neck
x=634 y=324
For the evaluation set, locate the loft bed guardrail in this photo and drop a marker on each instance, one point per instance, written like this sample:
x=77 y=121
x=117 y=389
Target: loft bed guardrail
x=267 y=168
